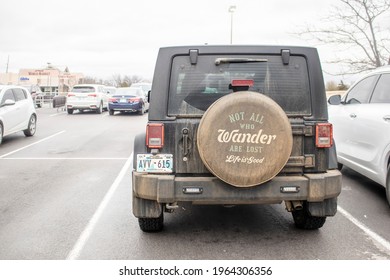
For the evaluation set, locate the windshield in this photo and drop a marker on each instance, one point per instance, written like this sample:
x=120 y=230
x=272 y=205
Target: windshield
x=83 y=89
x=193 y=88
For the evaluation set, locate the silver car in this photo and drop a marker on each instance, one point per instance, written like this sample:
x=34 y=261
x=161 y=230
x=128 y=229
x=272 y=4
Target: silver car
x=17 y=111
x=361 y=126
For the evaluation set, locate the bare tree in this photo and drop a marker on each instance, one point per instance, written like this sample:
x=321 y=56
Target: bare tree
x=126 y=80
x=354 y=27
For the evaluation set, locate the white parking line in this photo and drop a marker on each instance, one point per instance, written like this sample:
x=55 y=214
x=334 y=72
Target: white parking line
x=83 y=238
x=44 y=139
x=383 y=242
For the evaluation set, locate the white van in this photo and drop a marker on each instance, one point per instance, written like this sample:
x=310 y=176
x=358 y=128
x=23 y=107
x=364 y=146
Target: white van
x=87 y=97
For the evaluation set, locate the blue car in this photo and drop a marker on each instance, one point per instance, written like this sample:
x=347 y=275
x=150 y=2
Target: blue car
x=128 y=100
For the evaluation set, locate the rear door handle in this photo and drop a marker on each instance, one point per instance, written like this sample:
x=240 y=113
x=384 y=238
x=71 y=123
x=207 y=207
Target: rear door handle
x=186 y=142
x=387 y=118
x=353 y=115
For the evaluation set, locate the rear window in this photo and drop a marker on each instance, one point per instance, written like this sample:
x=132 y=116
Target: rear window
x=84 y=89
x=129 y=91
x=193 y=88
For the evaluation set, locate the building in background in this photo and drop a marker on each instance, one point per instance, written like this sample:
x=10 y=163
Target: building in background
x=51 y=80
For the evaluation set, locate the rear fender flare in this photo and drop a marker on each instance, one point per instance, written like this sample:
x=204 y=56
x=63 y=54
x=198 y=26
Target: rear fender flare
x=139 y=146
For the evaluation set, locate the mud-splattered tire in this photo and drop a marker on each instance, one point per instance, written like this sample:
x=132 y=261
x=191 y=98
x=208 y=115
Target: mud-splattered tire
x=304 y=220
x=151 y=224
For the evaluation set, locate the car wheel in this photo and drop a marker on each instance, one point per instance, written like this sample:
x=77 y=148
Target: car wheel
x=100 y=109
x=32 y=126
x=1 y=133
x=304 y=220
x=142 y=110
x=220 y=124
x=70 y=111
x=387 y=185
x=111 y=112
x=151 y=224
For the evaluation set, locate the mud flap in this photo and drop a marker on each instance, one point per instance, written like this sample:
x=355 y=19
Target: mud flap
x=328 y=207
x=144 y=208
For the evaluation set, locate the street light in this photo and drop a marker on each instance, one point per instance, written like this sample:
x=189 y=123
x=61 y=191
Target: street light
x=231 y=11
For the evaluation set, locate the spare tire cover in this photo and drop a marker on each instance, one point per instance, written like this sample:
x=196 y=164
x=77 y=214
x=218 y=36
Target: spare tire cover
x=244 y=138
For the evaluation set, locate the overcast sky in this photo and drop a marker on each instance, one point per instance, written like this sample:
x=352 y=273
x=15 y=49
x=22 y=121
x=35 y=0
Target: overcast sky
x=107 y=37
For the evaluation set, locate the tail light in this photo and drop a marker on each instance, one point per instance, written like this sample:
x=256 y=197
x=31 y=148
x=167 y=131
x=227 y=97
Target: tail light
x=155 y=135
x=324 y=135
x=71 y=94
x=242 y=83
x=113 y=100
x=92 y=94
x=132 y=100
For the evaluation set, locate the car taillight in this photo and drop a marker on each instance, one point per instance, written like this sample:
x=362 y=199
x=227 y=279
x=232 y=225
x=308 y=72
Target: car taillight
x=111 y=99
x=155 y=135
x=324 y=135
x=132 y=100
x=242 y=83
x=92 y=94
x=71 y=94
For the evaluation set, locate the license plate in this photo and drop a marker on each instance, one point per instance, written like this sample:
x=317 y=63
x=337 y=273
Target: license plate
x=161 y=163
x=122 y=100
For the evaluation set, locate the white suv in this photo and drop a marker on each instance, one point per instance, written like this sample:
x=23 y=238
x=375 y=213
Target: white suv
x=17 y=111
x=87 y=97
x=361 y=121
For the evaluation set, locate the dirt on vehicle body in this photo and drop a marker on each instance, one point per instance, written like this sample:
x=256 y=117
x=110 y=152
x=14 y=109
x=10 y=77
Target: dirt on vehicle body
x=236 y=125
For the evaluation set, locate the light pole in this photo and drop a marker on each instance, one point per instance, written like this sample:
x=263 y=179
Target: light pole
x=231 y=11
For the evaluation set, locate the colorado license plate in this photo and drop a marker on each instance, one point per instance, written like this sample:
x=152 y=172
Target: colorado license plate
x=161 y=163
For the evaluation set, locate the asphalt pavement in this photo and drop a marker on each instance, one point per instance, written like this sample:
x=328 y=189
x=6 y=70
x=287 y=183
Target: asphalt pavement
x=65 y=193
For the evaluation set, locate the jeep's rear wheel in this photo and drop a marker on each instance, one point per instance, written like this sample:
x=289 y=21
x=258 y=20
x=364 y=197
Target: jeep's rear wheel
x=151 y=224
x=388 y=186
x=246 y=132
x=304 y=220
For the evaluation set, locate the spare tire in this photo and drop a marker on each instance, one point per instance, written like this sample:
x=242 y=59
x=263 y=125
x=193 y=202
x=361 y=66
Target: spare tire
x=244 y=139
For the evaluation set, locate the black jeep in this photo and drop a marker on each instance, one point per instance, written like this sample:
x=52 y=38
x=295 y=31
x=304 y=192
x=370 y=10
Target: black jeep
x=236 y=125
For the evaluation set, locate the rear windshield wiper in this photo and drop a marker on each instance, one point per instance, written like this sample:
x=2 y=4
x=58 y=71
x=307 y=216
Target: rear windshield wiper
x=218 y=61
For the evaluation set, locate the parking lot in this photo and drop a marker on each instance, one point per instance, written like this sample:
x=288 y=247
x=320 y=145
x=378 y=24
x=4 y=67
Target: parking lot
x=66 y=194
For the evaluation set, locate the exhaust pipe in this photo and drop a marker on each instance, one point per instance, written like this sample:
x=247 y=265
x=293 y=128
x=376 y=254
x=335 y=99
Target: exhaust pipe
x=297 y=205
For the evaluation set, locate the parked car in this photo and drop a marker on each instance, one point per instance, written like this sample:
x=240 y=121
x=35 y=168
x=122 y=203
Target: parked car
x=87 y=97
x=17 y=111
x=110 y=90
x=146 y=87
x=36 y=94
x=128 y=99
x=233 y=125
x=361 y=120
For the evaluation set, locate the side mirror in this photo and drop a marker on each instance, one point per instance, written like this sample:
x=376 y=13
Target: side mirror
x=148 y=96
x=8 y=102
x=335 y=100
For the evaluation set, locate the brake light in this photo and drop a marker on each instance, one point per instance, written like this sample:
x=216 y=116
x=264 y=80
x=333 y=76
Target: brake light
x=111 y=99
x=324 y=135
x=92 y=94
x=242 y=83
x=155 y=135
x=132 y=100
x=71 y=94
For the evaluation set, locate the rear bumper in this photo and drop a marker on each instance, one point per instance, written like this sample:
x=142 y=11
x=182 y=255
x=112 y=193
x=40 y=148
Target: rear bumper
x=169 y=189
x=121 y=107
x=90 y=104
